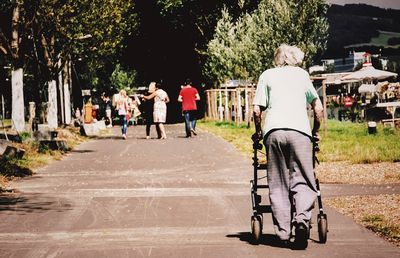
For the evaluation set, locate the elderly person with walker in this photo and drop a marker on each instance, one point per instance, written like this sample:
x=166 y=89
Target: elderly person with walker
x=284 y=92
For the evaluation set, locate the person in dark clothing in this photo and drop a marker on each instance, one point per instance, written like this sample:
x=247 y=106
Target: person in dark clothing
x=148 y=112
x=108 y=109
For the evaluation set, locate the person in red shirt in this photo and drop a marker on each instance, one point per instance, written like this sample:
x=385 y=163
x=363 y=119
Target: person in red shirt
x=348 y=101
x=188 y=96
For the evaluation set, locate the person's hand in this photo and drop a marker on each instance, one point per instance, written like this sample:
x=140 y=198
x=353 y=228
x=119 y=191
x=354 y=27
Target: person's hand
x=257 y=136
x=316 y=139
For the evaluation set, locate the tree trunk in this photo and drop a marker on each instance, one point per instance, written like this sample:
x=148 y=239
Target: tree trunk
x=17 y=92
x=61 y=91
x=67 y=93
x=52 y=105
x=17 y=73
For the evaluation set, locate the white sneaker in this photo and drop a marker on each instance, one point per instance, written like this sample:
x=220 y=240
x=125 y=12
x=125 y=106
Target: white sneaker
x=124 y=136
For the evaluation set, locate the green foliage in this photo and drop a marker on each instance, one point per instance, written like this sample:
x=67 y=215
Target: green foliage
x=25 y=135
x=88 y=30
x=121 y=79
x=244 y=47
x=168 y=6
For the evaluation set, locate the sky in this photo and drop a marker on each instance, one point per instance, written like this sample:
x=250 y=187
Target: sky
x=394 y=4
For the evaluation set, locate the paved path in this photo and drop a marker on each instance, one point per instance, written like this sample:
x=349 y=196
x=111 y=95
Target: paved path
x=156 y=198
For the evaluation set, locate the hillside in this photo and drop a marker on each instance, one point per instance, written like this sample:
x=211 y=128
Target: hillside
x=363 y=27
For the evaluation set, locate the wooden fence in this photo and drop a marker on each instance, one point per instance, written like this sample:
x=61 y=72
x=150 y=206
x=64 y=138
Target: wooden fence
x=230 y=104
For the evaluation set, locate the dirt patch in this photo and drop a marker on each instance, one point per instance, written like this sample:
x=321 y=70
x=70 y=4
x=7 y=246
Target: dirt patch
x=347 y=173
x=379 y=213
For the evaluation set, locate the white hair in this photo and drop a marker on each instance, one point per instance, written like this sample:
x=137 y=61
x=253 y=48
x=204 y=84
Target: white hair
x=288 y=55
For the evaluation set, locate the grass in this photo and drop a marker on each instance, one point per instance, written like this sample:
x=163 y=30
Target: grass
x=381 y=40
x=384 y=36
x=344 y=141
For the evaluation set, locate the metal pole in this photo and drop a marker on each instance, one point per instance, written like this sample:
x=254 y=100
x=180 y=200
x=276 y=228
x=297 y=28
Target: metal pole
x=324 y=103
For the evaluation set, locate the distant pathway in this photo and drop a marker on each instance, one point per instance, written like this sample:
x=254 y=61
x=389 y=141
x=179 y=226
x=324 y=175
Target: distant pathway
x=158 y=198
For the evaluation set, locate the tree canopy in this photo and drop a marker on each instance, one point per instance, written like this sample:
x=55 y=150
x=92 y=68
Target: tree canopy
x=244 y=47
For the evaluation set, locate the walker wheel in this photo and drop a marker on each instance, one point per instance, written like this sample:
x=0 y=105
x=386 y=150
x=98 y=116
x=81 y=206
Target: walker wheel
x=256 y=227
x=322 y=228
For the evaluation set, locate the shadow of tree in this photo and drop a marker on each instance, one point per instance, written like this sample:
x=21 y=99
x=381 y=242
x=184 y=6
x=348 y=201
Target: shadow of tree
x=10 y=169
x=81 y=151
x=106 y=137
x=31 y=203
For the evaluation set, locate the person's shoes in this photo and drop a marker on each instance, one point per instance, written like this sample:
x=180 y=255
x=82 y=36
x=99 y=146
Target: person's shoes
x=301 y=236
x=285 y=244
x=124 y=136
x=193 y=131
x=188 y=136
x=147 y=137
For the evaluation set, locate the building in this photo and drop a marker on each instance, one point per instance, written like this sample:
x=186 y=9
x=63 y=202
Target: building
x=345 y=64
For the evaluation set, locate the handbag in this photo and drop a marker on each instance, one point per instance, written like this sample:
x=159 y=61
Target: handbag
x=136 y=111
x=128 y=111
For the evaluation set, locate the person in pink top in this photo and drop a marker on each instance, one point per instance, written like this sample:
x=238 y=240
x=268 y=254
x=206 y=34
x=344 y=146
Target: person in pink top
x=188 y=96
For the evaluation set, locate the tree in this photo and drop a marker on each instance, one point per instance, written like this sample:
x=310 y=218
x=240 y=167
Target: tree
x=12 y=48
x=220 y=49
x=121 y=79
x=258 y=34
x=62 y=30
x=196 y=19
x=90 y=28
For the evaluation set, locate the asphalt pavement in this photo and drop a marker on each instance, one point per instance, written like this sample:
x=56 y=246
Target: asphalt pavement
x=177 y=197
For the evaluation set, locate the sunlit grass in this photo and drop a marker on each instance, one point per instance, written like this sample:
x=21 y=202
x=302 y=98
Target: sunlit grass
x=344 y=141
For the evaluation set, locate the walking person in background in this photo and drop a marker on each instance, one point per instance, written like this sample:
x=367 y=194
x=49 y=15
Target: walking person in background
x=108 y=104
x=148 y=106
x=284 y=92
x=188 y=96
x=160 y=107
x=123 y=108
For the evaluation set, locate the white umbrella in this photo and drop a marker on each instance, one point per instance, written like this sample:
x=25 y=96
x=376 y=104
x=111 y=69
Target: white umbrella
x=367 y=88
x=369 y=72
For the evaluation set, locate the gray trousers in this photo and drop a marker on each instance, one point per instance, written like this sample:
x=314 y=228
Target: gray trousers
x=291 y=179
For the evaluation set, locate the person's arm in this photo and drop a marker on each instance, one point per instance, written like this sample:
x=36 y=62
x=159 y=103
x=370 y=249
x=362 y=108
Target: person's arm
x=197 y=96
x=152 y=95
x=257 y=136
x=260 y=102
x=318 y=115
x=166 y=99
x=180 y=98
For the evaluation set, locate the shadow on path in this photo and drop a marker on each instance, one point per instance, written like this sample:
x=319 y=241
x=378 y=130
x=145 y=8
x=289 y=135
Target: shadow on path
x=265 y=239
x=33 y=203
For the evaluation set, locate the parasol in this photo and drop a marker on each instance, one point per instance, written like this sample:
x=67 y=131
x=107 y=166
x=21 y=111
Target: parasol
x=369 y=72
x=367 y=88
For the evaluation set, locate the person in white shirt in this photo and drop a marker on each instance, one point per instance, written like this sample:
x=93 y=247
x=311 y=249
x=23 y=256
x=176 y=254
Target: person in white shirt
x=284 y=92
